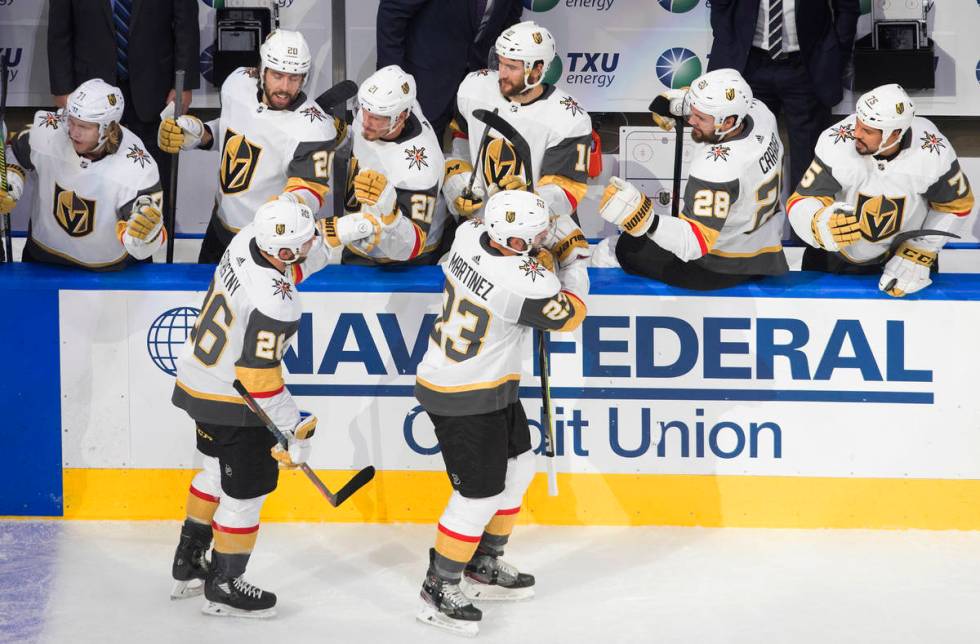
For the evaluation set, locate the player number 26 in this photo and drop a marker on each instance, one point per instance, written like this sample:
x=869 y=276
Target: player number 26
x=269 y=346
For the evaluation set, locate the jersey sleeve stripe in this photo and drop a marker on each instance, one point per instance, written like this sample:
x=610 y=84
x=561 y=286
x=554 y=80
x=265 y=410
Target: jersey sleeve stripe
x=705 y=236
x=230 y=530
x=264 y=379
x=267 y=394
x=419 y=241
x=318 y=190
x=297 y=274
x=959 y=207
x=796 y=197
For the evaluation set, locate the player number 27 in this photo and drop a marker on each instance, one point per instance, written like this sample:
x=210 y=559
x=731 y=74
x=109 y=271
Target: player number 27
x=469 y=339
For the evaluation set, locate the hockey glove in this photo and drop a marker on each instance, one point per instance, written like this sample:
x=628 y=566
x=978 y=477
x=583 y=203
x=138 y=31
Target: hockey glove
x=835 y=226
x=907 y=271
x=14 y=191
x=145 y=222
x=668 y=105
x=510 y=182
x=372 y=189
x=546 y=259
x=182 y=134
x=461 y=202
x=626 y=207
x=343 y=231
x=299 y=443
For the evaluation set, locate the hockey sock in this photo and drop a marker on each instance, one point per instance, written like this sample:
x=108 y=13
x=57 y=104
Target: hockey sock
x=497 y=532
x=201 y=507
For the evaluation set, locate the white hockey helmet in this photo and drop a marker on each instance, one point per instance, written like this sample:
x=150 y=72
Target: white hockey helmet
x=96 y=101
x=387 y=92
x=283 y=224
x=720 y=93
x=528 y=42
x=886 y=108
x=516 y=213
x=287 y=52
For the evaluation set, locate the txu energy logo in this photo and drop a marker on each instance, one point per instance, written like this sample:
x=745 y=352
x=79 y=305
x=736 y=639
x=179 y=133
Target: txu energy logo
x=553 y=73
x=678 y=6
x=678 y=67
x=540 y=5
x=592 y=68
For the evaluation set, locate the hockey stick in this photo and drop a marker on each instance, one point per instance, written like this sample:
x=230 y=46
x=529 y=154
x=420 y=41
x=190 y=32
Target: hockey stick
x=170 y=224
x=911 y=234
x=660 y=106
x=336 y=95
x=523 y=150
x=6 y=246
x=334 y=102
x=357 y=482
x=480 y=151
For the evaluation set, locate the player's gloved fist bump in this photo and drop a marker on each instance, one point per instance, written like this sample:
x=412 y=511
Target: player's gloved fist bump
x=836 y=226
x=184 y=133
x=298 y=438
x=146 y=221
x=626 y=207
x=468 y=203
x=341 y=231
x=373 y=190
x=13 y=193
x=545 y=258
x=908 y=271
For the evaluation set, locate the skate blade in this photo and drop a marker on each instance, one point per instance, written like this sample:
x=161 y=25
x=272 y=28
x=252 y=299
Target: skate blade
x=186 y=589
x=432 y=617
x=223 y=610
x=476 y=591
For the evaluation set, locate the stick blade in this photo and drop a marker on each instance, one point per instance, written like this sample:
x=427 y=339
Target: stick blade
x=339 y=93
x=360 y=479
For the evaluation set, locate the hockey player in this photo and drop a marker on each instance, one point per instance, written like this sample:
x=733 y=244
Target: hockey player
x=249 y=315
x=875 y=175
x=273 y=139
x=557 y=129
x=497 y=290
x=396 y=172
x=99 y=197
x=730 y=226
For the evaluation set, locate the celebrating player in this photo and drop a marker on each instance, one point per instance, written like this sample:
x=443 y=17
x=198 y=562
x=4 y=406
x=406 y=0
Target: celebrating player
x=557 y=129
x=729 y=229
x=250 y=313
x=395 y=175
x=878 y=174
x=100 y=200
x=496 y=291
x=273 y=140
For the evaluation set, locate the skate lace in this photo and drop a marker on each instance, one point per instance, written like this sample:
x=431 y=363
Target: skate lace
x=454 y=597
x=246 y=588
x=505 y=571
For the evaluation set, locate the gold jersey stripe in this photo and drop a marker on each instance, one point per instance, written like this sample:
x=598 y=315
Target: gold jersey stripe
x=235 y=400
x=260 y=378
x=450 y=389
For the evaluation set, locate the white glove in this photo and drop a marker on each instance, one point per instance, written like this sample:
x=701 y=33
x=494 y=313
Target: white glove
x=908 y=271
x=453 y=190
x=835 y=226
x=343 y=231
x=14 y=191
x=626 y=207
x=299 y=442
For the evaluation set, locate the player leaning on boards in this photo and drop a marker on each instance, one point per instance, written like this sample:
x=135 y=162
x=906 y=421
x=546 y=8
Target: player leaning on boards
x=557 y=129
x=878 y=174
x=730 y=225
x=249 y=315
x=394 y=176
x=272 y=138
x=99 y=196
x=495 y=293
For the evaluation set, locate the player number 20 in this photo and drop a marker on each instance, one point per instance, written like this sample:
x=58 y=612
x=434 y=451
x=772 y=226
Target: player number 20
x=711 y=203
x=322 y=161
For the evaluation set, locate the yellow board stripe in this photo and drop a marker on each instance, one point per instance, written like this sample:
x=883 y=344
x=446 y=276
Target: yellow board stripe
x=585 y=499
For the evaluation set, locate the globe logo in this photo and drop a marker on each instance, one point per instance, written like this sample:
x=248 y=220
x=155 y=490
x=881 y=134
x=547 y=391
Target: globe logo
x=540 y=5
x=553 y=73
x=678 y=67
x=678 y=6
x=167 y=335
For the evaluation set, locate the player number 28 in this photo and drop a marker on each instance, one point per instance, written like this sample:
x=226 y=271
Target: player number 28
x=711 y=203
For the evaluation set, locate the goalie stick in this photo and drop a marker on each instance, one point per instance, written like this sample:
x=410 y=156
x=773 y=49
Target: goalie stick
x=358 y=481
x=523 y=150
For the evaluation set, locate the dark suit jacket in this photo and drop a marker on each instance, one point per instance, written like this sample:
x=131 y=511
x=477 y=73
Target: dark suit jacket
x=433 y=40
x=825 y=29
x=163 y=36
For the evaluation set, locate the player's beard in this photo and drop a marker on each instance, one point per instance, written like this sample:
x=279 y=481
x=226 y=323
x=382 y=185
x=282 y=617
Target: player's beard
x=280 y=100
x=510 y=90
x=700 y=137
x=864 y=150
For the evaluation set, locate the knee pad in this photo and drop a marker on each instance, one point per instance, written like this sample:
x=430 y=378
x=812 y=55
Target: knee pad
x=239 y=513
x=520 y=473
x=208 y=480
x=468 y=516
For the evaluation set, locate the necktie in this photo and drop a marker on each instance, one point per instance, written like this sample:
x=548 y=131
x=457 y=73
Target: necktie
x=775 y=29
x=121 y=9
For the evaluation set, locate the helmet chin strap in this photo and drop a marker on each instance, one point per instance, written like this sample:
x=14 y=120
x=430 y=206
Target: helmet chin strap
x=528 y=69
x=882 y=148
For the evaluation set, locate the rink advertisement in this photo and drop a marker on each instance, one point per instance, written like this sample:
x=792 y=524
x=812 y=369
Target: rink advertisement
x=685 y=409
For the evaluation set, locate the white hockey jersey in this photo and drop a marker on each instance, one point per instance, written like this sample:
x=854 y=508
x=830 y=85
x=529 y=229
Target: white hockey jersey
x=248 y=318
x=414 y=164
x=490 y=303
x=265 y=152
x=557 y=129
x=921 y=187
x=732 y=199
x=83 y=205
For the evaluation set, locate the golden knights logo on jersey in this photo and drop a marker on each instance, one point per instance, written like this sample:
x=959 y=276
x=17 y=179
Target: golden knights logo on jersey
x=350 y=200
x=73 y=213
x=239 y=158
x=500 y=161
x=880 y=216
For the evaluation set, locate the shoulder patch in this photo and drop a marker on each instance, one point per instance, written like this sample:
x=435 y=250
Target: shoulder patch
x=282 y=288
x=483 y=72
x=532 y=268
x=313 y=113
x=416 y=157
x=572 y=105
x=842 y=133
x=138 y=155
x=251 y=72
x=718 y=152
x=932 y=142
x=49 y=119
